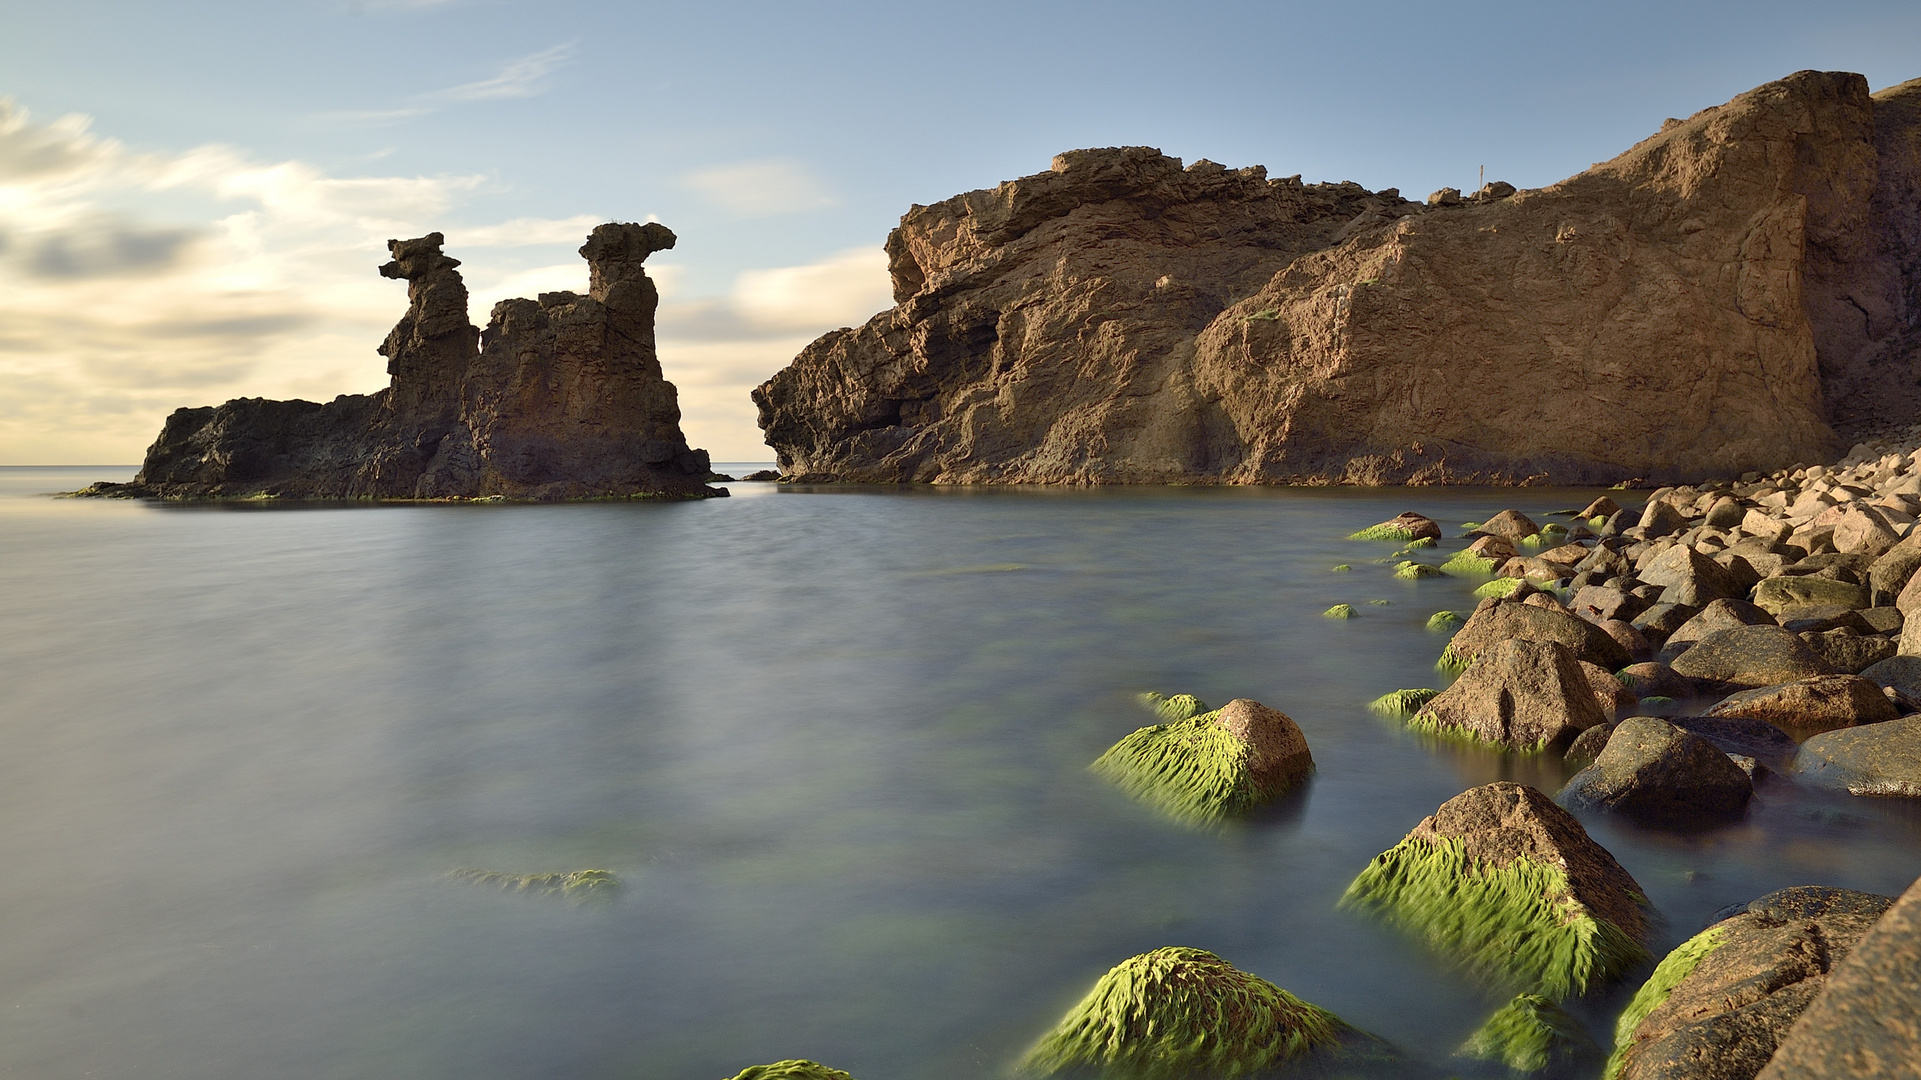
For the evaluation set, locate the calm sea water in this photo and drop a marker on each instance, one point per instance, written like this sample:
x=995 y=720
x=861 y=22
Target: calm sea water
x=834 y=742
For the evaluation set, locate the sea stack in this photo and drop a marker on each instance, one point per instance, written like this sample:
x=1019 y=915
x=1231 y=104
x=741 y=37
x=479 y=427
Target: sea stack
x=559 y=398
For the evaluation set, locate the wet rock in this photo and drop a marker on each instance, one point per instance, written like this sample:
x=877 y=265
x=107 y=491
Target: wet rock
x=1779 y=593
x=1408 y=526
x=1810 y=706
x=1655 y=772
x=1847 y=651
x=1510 y=525
x=1651 y=679
x=1496 y=620
x=1211 y=765
x=1873 y=759
x=1867 y=1020
x=1721 y=1003
x=1756 y=739
x=1719 y=615
x=1610 y=693
x=1501 y=864
x=1588 y=745
x=1531 y=1034
x=1523 y=694
x=1750 y=656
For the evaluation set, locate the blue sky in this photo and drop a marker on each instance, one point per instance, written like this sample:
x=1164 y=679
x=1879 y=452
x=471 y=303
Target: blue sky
x=193 y=195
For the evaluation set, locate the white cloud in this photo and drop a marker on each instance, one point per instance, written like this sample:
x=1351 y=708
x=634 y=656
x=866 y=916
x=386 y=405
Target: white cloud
x=842 y=290
x=526 y=232
x=754 y=189
x=524 y=77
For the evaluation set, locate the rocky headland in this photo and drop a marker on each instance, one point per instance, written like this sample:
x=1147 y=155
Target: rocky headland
x=1727 y=295
x=558 y=398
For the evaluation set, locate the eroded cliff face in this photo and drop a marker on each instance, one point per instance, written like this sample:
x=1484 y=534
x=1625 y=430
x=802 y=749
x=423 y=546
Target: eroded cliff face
x=561 y=397
x=1710 y=301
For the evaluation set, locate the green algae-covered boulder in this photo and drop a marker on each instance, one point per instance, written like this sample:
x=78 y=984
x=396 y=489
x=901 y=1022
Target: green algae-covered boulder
x=1409 y=526
x=1719 y=1004
x=1510 y=886
x=1501 y=587
x=1413 y=571
x=1402 y=703
x=797 y=1069
x=1519 y=694
x=1531 y=1034
x=1468 y=564
x=1178 y=1012
x=1177 y=707
x=580 y=885
x=1445 y=622
x=1339 y=611
x=1212 y=765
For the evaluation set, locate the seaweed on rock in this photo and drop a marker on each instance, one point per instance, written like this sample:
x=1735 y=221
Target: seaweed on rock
x=1674 y=967
x=578 y=885
x=1178 y=707
x=1339 y=611
x=1413 y=571
x=795 y=1069
x=1213 y=765
x=1499 y=587
x=1468 y=564
x=1402 y=703
x=1446 y=621
x=1516 y=924
x=1386 y=531
x=1180 y=1012
x=1530 y=1034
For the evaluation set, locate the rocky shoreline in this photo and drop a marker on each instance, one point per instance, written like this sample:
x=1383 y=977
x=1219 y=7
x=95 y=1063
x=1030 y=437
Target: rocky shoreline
x=1723 y=637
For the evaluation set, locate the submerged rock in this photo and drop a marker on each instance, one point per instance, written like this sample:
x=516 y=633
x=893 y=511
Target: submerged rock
x=578 y=885
x=796 y=1069
x=560 y=398
x=1212 y=765
x=1179 y=1012
x=1408 y=526
x=1510 y=886
x=1531 y=1034
x=1656 y=772
x=1717 y=1006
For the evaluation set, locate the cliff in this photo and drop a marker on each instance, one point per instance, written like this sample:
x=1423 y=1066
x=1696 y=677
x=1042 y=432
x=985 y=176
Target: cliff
x=559 y=398
x=1720 y=297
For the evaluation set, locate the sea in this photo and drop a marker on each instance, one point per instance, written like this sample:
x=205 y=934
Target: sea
x=833 y=742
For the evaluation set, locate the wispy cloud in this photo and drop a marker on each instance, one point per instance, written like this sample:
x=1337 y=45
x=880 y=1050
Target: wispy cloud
x=525 y=77
x=753 y=189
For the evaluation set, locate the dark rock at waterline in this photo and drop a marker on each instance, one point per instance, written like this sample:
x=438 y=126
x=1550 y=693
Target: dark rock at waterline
x=1520 y=694
x=1721 y=1003
x=1873 y=759
x=763 y=474
x=1588 y=745
x=1810 y=706
x=1655 y=772
x=1652 y=679
x=1749 y=656
x=1739 y=735
x=1867 y=1020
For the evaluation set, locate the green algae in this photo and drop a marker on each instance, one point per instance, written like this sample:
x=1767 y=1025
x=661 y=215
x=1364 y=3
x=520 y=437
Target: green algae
x=1470 y=524
x=1452 y=662
x=1342 y=569
x=1499 y=587
x=796 y=1069
x=1535 y=540
x=1191 y=768
x=1468 y=564
x=1413 y=571
x=1402 y=703
x=1668 y=974
x=1446 y=621
x=1428 y=724
x=1339 y=611
x=1177 y=707
x=1530 y=1034
x=1383 y=532
x=1380 y=603
x=578 y=886
x=1423 y=542
x=1179 y=1012
x=1514 y=925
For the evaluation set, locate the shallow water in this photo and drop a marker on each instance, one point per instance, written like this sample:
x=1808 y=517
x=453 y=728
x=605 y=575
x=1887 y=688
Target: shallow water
x=833 y=741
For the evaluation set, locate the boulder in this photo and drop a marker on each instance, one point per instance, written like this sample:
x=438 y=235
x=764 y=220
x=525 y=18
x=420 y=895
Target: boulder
x=1900 y=673
x=1810 y=706
x=1662 y=620
x=1884 y=620
x=1660 y=518
x=1740 y=736
x=1867 y=1021
x=559 y=398
x=1499 y=548
x=1626 y=636
x=1806 y=618
x=1212 y=765
x=1651 y=679
x=1510 y=525
x=1721 y=1003
x=1890 y=573
x=1719 y=615
x=1531 y=1034
x=1609 y=692
x=1873 y=759
x=1602 y=507
x=1862 y=530
x=1522 y=694
x=1178 y=1012
x=1847 y=651
x=1750 y=656
x=1511 y=886
x=1599 y=603
x=1779 y=593
x=1588 y=745
x=1689 y=577
x=1657 y=773
x=1496 y=620
x=1407 y=526
x=1725 y=513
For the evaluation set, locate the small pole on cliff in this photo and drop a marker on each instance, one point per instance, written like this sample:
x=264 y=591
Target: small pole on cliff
x=1483 y=178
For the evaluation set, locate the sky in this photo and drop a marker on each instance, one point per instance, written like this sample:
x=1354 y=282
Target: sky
x=195 y=196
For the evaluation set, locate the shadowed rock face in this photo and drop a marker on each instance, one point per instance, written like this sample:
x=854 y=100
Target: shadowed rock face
x=560 y=397
x=1708 y=302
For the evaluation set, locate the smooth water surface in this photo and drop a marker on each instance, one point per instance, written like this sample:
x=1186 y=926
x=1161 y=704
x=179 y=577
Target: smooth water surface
x=833 y=741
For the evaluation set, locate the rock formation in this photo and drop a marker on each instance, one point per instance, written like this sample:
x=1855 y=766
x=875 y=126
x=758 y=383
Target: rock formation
x=558 y=398
x=1723 y=296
